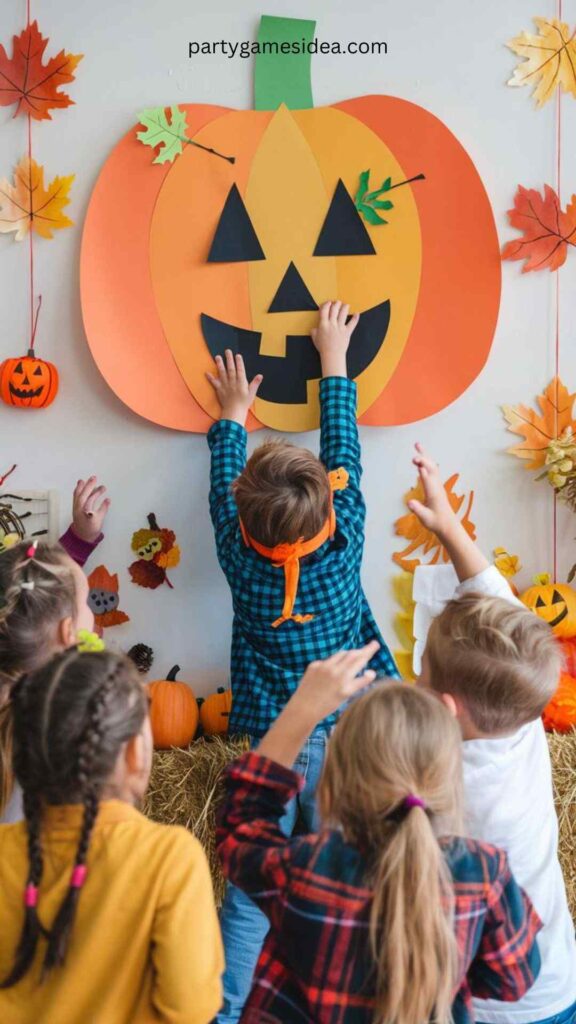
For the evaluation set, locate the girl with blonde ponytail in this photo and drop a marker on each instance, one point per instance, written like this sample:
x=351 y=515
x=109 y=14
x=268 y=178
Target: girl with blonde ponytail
x=387 y=915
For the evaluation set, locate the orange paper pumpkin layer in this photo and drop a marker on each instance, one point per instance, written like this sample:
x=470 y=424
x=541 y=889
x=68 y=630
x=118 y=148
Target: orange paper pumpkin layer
x=155 y=307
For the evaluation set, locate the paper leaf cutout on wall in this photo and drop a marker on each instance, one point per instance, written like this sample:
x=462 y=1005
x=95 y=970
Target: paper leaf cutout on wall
x=410 y=527
x=547 y=229
x=540 y=428
x=168 y=135
x=104 y=598
x=27 y=204
x=157 y=551
x=27 y=81
x=549 y=59
x=368 y=203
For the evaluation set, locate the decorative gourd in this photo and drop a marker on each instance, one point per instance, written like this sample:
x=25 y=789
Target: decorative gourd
x=560 y=714
x=215 y=712
x=173 y=712
x=207 y=254
x=28 y=382
x=553 y=602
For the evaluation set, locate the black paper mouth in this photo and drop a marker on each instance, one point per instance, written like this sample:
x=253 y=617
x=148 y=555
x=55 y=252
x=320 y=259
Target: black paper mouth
x=286 y=377
x=23 y=393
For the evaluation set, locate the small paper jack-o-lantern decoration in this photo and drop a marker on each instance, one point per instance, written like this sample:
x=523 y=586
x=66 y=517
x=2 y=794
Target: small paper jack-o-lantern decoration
x=28 y=382
x=214 y=255
x=553 y=602
x=173 y=712
x=215 y=712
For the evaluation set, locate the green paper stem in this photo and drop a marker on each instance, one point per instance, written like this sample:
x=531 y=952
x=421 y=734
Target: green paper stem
x=283 y=77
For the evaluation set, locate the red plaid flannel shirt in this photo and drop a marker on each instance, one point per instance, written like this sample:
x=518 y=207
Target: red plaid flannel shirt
x=315 y=965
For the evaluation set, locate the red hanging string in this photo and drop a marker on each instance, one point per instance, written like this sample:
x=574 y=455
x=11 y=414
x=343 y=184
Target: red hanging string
x=31 y=232
x=557 y=324
x=6 y=475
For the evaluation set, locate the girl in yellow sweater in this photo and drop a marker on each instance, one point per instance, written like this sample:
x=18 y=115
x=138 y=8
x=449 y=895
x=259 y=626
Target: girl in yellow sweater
x=105 y=917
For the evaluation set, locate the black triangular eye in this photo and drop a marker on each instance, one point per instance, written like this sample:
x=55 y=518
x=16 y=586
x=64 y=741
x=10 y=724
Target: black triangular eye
x=19 y=368
x=540 y=603
x=38 y=371
x=557 y=598
x=343 y=232
x=235 y=239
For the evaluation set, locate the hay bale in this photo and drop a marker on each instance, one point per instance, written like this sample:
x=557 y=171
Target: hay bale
x=185 y=789
x=563 y=755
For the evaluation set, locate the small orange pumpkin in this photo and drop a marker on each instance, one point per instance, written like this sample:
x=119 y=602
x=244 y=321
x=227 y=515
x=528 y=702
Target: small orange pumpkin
x=560 y=714
x=173 y=712
x=215 y=712
x=553 y=602
x=28 y=382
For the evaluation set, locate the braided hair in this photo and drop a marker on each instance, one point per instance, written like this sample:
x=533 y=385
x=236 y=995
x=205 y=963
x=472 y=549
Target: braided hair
x=71 y=720
x=37 y=591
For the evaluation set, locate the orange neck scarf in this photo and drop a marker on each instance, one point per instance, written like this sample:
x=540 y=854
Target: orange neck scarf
x=287 y=556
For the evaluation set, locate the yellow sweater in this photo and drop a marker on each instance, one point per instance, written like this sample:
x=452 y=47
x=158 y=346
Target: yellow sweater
x=146 y=943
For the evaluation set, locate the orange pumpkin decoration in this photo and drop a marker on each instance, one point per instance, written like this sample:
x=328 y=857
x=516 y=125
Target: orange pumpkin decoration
x=553 y=602
x=28 y=382
x=159 y=302
x=215 y=712
x=173 y=712
x=560 y=714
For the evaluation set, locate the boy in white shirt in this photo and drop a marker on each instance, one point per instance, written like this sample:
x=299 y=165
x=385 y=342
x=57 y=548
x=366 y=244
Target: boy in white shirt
x=497 y=665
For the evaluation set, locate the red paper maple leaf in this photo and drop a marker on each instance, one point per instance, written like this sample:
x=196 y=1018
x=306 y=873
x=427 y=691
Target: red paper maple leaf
x=27 y=81
x=548 y=230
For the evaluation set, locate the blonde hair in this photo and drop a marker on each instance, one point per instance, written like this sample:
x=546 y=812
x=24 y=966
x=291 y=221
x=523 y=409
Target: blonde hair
x=395 y=741
x=35 y=595
x=500 y=659
x=282 y=494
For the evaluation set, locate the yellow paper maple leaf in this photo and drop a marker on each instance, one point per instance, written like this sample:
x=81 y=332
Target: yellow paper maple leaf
x=410 y=527
x=539 y=429
x=550 y=59
x=27 y=204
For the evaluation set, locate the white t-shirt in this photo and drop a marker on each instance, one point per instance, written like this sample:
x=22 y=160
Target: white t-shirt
x=510 y=803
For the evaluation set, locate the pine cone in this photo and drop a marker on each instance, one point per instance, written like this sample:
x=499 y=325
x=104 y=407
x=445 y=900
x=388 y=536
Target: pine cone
x=142 y=656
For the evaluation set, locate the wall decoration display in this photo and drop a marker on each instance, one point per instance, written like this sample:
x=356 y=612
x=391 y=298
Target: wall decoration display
x=27 y=514
x=157 y=552
x=291 y=205
x=542 y=430
x=549 y=59
x=548 y=232
x=418 y=536
x=30 y=82
x=104 y=598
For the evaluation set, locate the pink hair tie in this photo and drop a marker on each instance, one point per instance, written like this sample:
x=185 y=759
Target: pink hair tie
x=31 y=896
x=78 y=876
x=411 y=801
x=31 y=552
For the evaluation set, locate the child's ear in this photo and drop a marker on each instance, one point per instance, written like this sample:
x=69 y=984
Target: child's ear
x=66 y=634
x=451 y=703
x=134 y=755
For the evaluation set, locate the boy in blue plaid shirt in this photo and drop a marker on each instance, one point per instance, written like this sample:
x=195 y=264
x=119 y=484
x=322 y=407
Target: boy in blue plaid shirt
x=289 y=536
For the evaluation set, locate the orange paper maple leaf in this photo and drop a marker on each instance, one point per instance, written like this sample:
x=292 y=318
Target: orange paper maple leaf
x=410 y=527
x=539 y=429
x=547 y=229
x=27 y=81
x=27 y=205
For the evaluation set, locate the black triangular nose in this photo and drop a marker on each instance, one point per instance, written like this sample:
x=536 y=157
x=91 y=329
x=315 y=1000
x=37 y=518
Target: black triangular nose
x=26 y=382
x=292 y=294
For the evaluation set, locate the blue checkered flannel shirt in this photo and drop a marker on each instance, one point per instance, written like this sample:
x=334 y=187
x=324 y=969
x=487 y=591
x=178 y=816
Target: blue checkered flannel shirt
x=267 y=664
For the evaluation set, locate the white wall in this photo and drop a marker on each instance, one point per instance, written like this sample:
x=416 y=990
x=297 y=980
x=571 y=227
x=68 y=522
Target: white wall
x=447 y=55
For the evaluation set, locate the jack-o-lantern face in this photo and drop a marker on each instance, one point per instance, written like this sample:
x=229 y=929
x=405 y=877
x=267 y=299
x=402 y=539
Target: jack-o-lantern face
x=149 y=549
x=28 y=382
x=556 y=604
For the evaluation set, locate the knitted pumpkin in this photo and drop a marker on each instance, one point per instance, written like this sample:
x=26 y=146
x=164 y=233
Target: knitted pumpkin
x=28 y=382
x=560 y=714
x=553 y=602
x=173 y=712
x=215 y=712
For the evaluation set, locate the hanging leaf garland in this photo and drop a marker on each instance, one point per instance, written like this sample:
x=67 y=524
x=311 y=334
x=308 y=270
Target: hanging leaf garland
x=541 y=429
x=26 y=205
x=547 y=231
x=549 y=59
x=35 y=86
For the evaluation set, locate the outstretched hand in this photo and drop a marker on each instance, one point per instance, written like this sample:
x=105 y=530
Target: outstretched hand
x=435 y=512
x=332 y=337
x=89 y=509
x=233 y=390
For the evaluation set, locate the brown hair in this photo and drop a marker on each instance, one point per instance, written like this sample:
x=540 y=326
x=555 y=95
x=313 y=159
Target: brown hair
x=395 y=741
x=71 y=719
x=35 y=595
x=500 y=659
x=282 y=494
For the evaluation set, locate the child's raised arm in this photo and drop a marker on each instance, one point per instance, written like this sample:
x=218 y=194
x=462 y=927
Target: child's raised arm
x=437 y=515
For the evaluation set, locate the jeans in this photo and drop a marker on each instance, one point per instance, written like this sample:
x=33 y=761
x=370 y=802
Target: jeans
x=566 y=1017
x=244 y=926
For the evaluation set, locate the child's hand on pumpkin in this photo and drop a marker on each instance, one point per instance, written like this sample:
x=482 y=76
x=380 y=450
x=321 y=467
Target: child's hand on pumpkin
x=435 y=512
x=233 y=390
x=332 y=337
x=88 y=510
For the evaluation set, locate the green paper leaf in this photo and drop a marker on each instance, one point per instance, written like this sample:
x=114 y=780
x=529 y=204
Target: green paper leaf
x=169 y=135
x=385 y=205
x=368 y=202
x=370 y=215
x=362 y=187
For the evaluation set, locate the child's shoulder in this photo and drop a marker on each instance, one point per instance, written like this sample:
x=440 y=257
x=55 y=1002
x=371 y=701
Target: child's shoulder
x=474 y=863
x=162 y=844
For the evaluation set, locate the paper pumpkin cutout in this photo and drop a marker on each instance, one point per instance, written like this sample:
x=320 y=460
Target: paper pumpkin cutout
x=104 y=598
x=157 y=551
x=149 y=291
